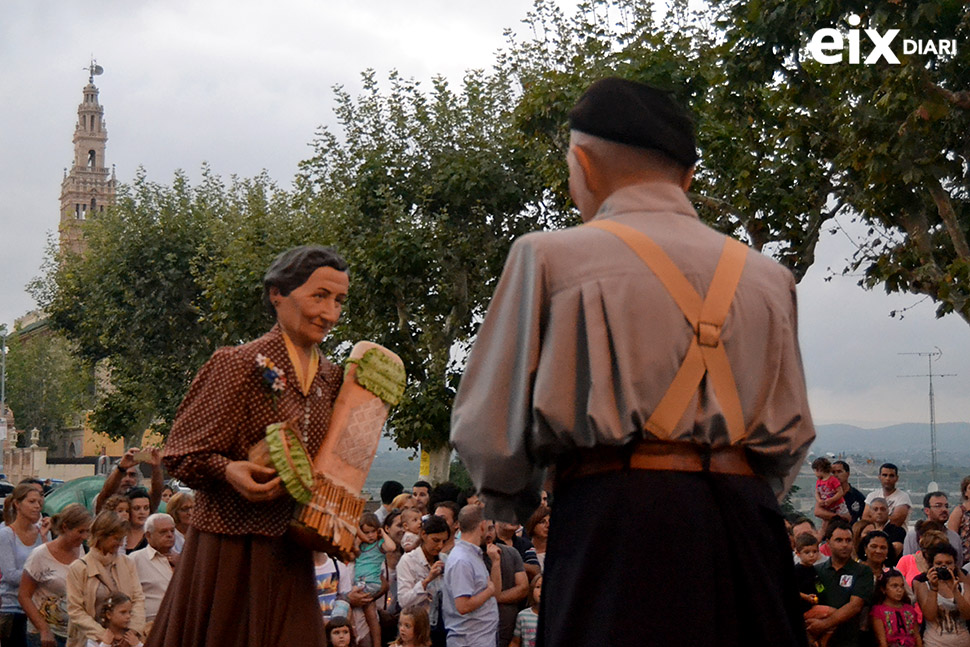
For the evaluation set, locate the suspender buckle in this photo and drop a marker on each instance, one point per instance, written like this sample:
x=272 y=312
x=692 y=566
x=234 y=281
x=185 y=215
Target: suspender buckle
x=708 y=334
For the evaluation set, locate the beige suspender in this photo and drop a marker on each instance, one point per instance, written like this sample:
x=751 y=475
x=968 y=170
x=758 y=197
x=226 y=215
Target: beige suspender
x=706 y=315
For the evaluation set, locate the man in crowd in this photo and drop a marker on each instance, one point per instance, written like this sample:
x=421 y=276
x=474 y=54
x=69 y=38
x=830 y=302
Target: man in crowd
x=421 y=491
x=654 y=363
x=419 y=571
x=155 y=562
x=898 y=500
x=854 y=499
x=845 y=585
x=448 y=510
x=127 y=475
x=936 y=507
x=468 y=600
x=507 y=535
x=389 y=490
x=515 y=584
x=878 y=510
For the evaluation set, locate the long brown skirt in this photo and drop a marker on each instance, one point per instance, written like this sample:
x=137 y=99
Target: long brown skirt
x=240 y=591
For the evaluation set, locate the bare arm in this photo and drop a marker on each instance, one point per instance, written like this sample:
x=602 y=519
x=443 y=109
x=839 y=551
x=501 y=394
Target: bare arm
x=388 y=546
x=843 y=614
x=113 y=481
x=899 y=516
x=25 y=596
x=953 y=521
x=468 y=603
x=880 y=631
x=926 y=596
x=517 y=593
x=158 y=482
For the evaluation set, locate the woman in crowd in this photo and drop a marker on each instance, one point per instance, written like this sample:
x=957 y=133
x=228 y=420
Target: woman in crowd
x=43 y=585
x=403 y=501
x=180 y=508
x=17 y=540
x=942 y=595
x=242 y=510
x=95 y=576
x=930 y=536
x=959 y=519
x=140 y=509
x=394 y=529
x=537 y=529
x=875 y=551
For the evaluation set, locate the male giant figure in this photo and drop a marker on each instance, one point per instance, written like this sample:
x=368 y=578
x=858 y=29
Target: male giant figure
x=669 y=396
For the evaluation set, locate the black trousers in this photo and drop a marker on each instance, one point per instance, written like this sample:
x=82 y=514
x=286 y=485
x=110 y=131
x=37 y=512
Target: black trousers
x=668 y=558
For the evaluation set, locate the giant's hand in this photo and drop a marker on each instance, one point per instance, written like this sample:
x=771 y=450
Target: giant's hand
x=254 y=482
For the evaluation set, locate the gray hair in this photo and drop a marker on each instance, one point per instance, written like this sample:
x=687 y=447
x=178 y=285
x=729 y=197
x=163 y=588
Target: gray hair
x=879 y=499
x=292 y=268
x=153 y=519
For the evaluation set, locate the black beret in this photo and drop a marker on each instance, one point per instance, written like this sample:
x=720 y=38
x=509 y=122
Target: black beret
x=638 y=115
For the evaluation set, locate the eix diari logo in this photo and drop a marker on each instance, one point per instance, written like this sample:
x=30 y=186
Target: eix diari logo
x=828 y=45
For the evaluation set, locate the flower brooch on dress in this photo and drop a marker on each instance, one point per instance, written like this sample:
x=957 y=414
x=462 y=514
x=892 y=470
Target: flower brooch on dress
x=273 y=378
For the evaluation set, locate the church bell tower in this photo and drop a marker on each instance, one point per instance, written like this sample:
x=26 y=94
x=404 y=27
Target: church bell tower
x=90 y=185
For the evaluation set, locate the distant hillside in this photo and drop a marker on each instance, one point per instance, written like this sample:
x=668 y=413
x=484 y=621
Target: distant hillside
x=391 y=464
x=903 y=443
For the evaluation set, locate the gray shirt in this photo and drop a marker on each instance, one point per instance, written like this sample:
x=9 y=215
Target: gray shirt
x=581 y=341
x=465 y=575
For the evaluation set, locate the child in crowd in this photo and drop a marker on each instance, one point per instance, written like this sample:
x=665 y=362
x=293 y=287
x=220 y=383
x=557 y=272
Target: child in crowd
x=121 y=505
x=413 y=628
x=115 y=617
x=893 y=615
x=806 y=547
x=411 y=520
x=340 y=633
x=829 y=491
x=374 y=544
x=527 y=622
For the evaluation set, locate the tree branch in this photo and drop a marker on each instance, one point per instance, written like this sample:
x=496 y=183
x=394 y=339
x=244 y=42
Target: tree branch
x=949 y=217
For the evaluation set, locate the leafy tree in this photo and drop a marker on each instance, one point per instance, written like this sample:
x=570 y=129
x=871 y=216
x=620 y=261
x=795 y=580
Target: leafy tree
x=423 y=193
x=754 y=179
x=170 y=273
x=46 y=384
x=891 y=137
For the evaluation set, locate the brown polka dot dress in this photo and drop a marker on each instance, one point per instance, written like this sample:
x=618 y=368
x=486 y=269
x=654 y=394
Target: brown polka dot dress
x=241 y=581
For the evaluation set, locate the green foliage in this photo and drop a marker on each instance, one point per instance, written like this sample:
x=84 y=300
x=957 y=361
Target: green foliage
x=46 y=384
x=423 y=193
x=891 y=138
x=753 y=180
x=170 y=274
x=787 y=507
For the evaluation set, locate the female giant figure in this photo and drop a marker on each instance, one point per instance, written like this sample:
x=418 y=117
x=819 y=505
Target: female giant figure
x=241 y=581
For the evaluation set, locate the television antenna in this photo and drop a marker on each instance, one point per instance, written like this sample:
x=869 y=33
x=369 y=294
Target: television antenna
x=931 y=356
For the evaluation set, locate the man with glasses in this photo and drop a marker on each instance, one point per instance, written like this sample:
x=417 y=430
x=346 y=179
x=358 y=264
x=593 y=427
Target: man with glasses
x=936 y=507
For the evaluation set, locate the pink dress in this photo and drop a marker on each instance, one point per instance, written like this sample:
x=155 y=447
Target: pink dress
x=899 y=622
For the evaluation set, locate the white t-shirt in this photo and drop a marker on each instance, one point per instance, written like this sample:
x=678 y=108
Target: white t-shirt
x=898 y=497
x=50 y=595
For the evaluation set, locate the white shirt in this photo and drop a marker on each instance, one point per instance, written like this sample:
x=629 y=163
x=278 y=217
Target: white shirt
x=154 y=572
x=411 y=571
x=898 y=497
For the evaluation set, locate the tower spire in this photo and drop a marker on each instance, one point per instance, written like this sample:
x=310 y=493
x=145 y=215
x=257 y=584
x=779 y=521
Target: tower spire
x=88 y=186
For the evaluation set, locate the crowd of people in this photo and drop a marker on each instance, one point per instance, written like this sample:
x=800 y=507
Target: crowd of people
x=867 y=575
x=81 y=579
x=870 y=576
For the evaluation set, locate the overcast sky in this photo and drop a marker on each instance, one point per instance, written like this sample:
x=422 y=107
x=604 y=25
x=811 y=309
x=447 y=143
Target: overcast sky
x=243 y=85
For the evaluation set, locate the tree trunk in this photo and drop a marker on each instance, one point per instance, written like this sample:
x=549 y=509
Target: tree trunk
x=439 y=467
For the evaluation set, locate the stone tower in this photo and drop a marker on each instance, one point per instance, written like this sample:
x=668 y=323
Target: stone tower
x=90 y=185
